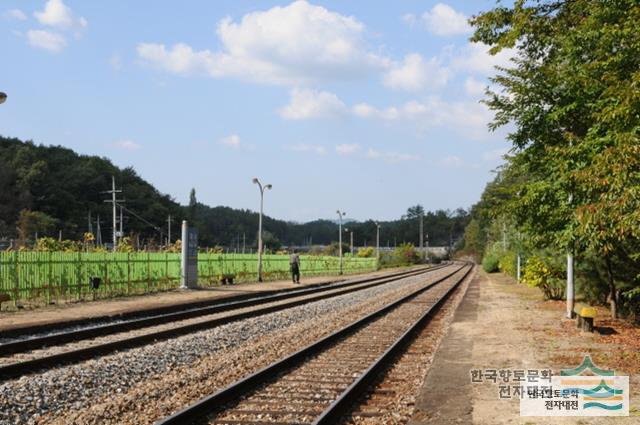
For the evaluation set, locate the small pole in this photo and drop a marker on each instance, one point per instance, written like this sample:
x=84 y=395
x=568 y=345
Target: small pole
x=340 y=215
x=169 y=230
x=378 y=242
x=351 y=248
x=184 y=253
x=518 y=269
x=570 y=287
x=422 y=234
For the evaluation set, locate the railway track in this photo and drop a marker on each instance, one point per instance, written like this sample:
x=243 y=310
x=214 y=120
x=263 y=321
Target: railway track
x=138 y=332
x=319 y=383
x=156 y=314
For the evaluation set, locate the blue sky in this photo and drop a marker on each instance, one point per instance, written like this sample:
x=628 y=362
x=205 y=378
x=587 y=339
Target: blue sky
x=367 y=107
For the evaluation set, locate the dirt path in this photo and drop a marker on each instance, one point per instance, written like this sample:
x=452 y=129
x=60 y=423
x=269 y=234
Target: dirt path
x=504 y=325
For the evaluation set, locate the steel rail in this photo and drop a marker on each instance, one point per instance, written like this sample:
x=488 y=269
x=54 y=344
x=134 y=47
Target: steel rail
x=18 y=332
x=14 y=370
x=343 y=403
x=240 y=388
x=60 y=338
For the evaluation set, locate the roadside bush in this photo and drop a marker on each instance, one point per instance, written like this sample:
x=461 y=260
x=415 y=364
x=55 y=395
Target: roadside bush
x=403 y=255
x=367 y=252
x=508 y=263
x=542 y=273
x=490 y=263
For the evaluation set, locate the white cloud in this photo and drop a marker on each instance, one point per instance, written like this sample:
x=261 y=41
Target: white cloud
x=495 y=155
x=293 y=45
x=443 y=20
x=415 y=74
x=392 y=157
x=232 y=141
x=474 y=87
x=347 y=149
x=469 y=118
x=127 y=145
x=304 y=147
x=305 y=104
x=475 y=57
x=15 y=14
x=51 y=41
x=57 y=14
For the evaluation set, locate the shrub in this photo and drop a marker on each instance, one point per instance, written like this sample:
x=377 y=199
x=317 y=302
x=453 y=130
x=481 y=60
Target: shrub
x=366 y=252
x=508 y=263
x=544 y=274
x=490 y=263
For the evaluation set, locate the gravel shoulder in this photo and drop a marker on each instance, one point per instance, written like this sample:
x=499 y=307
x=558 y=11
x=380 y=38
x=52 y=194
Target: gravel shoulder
x=87 y=309
x=504 y=325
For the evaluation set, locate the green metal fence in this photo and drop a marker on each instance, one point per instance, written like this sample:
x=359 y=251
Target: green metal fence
x=55 y=276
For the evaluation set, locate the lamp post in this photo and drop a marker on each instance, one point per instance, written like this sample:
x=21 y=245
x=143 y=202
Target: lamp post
x=262 y=189
x=351 y=240
x=3 y=97
x=426 y=246
x=340 y=215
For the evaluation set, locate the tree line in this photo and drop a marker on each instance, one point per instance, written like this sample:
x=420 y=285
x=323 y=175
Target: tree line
x=53 y=191
x=571 y=183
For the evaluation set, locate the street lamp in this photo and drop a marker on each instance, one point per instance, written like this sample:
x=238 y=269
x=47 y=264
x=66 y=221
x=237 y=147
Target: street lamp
x=340 y=215
x=426 y=247
x=351 y=240
x=3 y=97
x=262 y=189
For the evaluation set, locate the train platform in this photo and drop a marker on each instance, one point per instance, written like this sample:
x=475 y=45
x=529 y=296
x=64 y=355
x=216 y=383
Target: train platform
x=504 y=325
x=53 y=314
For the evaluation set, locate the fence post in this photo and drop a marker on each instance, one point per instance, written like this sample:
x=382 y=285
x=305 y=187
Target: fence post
x=49 y=283
x=148 y=271
x=128 y=273
x=79 y=275
x=16 y=282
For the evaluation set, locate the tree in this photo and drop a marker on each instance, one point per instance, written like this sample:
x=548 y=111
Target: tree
x=32 y=222
x=572 y=95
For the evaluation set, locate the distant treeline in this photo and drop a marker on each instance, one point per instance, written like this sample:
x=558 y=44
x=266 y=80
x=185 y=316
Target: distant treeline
x=52 y=189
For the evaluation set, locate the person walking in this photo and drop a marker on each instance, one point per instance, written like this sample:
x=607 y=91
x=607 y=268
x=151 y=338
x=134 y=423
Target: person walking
x=294 y=262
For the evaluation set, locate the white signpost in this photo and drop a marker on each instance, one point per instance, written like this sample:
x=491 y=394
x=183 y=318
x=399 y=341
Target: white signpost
x=189 y=263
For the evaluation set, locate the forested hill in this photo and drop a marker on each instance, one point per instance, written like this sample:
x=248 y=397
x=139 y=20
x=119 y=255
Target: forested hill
x=56 y=189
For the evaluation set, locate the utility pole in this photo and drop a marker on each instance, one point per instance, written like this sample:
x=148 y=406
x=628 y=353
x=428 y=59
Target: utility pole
x=340 y=215
x=352 y=243
x=114 y=203
x=99 y=232
x=121 y=231
x=169 y=230
x=378 y=242
x=244 y=241
x=90 y=227
x=421 y=234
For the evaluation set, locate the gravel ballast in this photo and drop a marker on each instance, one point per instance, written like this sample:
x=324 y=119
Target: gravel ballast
x=140 y=385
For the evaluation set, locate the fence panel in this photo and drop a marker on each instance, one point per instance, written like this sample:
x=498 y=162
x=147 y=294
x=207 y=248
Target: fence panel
x=46 y=277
